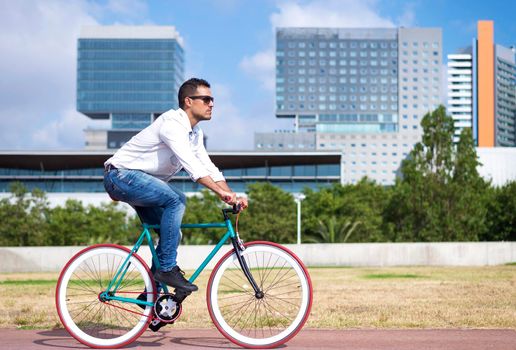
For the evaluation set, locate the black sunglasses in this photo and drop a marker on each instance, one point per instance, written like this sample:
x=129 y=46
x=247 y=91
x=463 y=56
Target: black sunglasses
x=205 y=98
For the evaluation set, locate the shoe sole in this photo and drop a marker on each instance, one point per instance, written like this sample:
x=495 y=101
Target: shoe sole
x=178 y=288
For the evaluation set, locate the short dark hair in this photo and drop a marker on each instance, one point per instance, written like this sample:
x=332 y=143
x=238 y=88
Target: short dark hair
x=189 y=88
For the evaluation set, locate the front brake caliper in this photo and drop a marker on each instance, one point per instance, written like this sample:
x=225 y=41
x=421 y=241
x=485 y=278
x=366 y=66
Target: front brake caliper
x=240 y=243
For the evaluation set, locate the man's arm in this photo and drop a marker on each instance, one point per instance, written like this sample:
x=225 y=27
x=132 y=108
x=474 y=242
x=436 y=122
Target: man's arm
x=241 y=200
x=224 y=185
x=222 y=190
x=215 y=175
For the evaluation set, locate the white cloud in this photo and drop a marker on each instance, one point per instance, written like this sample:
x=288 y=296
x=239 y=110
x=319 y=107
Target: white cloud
x=329 y=13
x=67 y=130
x=130 y=9
x=229 y=128
x=408 y=16
x=38 y=41
x=233 y=127
x=317 y=13
x=261 y=67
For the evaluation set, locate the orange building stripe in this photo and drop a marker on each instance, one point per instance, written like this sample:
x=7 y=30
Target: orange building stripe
x=486 y=103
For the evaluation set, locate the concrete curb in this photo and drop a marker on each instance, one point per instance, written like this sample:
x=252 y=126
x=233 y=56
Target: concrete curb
x=41 y=259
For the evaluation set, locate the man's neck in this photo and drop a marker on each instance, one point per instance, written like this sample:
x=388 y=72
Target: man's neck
x=191 y=118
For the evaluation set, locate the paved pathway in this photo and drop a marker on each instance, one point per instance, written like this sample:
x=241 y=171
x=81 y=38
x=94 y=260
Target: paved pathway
x=307 y=339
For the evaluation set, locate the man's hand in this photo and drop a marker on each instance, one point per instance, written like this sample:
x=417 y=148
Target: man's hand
x=243 y=202
x=223 y=191
x=228 y=197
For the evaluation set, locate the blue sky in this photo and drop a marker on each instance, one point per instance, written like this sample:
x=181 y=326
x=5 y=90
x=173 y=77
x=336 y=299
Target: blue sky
x=228 y=42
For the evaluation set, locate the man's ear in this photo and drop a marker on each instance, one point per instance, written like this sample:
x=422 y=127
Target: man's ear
x=187 y=102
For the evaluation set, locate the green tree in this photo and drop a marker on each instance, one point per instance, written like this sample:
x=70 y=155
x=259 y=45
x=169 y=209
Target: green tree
x=68 y=225
x=341 y=208
x=271 y=215
x=23 y=217
x=441 y=196
x=501 y=214
x=332 y=231
x=470 y=191
x=109 y=223
x=204 y=208
x=75 y=224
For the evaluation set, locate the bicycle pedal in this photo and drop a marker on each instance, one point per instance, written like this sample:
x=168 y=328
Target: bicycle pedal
x=156 y=324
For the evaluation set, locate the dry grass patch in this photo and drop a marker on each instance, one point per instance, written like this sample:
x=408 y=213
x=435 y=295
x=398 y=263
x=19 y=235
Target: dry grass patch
x=415 y=297
x=404 y=297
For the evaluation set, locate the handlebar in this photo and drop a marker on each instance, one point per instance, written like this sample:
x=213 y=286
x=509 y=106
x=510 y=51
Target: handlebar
x=237 y=208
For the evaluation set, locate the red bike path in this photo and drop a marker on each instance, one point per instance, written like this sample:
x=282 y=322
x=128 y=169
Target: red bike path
x=438 y=339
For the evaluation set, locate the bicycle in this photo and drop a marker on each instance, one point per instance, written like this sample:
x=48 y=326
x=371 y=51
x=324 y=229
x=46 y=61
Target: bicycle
x=259 y=294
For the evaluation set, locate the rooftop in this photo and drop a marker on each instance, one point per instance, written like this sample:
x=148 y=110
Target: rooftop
x=59 y=160
x=130 y=32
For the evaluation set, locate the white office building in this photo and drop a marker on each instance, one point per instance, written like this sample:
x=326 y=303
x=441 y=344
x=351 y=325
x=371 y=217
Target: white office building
x=460 y=91
x=359 y=91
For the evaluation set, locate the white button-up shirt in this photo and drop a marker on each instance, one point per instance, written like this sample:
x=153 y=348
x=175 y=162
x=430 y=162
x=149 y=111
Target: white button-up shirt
x=165 y=147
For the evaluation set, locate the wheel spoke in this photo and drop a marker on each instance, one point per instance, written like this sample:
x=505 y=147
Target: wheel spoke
x=109 y=322
x=248 y=319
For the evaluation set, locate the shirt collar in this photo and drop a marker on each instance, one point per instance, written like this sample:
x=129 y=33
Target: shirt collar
x=186 y=122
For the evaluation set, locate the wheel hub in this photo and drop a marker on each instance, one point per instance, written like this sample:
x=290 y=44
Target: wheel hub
x=102 y=297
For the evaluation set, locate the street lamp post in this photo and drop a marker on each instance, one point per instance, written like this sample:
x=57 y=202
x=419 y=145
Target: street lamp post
x=298 y=198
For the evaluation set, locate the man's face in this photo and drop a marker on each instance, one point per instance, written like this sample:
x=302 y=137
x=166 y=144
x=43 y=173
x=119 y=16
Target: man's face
x=201 y=103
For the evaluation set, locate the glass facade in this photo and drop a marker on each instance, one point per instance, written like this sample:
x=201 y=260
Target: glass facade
x=130 y=120
x=505 y=91
x=344 y=72
x=128 y=76
x=356 y=86
x=290 y=178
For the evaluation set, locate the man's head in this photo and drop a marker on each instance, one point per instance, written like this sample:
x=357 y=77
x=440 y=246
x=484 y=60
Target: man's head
x=195 y=98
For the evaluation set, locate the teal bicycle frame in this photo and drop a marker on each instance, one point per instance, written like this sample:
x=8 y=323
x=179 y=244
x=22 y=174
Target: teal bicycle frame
x=114 y=285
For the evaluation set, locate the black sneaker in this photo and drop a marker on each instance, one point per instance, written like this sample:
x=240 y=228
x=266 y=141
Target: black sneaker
x=156 y=324
x=142 y=297
x=175 y=278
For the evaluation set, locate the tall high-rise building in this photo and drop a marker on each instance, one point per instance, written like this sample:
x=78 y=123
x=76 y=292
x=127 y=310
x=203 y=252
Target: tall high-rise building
x=128 y=75
x=505 y=96
x=482 y=90
x=362 y=91
x=460 y=91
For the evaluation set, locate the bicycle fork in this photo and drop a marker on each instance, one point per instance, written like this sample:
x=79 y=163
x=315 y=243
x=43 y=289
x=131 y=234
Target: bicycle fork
x=239 y=248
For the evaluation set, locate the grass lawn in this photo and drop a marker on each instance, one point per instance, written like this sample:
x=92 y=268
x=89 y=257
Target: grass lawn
x=393 y=297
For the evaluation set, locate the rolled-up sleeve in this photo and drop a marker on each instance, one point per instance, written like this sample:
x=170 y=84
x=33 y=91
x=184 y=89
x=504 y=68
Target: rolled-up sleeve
x=204 y=158
x=175 y=136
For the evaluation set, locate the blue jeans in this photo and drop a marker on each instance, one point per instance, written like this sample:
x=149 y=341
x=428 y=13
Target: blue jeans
x=156 y=203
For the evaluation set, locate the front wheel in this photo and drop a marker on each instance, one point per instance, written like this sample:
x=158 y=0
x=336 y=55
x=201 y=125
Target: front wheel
x=260 y=322
x=104 y=323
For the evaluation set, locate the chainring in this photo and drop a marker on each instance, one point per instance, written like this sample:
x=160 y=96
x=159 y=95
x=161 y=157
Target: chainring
x=167 y=309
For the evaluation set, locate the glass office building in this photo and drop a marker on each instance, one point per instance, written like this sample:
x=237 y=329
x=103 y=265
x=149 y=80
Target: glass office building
x=338 y=80
x=128 y=75
x=362 y=91
x=505 y=97
x=82 y=172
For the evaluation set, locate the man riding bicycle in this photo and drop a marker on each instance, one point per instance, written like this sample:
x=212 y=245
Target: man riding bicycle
x=138 y=173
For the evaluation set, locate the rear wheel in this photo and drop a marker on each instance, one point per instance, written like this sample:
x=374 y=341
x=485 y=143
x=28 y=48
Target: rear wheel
x=260 y=322
x=102 y=323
